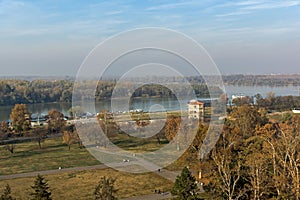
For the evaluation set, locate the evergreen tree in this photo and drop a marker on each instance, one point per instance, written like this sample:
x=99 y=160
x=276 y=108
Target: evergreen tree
x=185 y=187
x=6 y=195
x=105 y=189
x=40 y=188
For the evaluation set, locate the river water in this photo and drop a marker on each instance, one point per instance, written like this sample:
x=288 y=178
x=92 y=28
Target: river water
x=146 y=103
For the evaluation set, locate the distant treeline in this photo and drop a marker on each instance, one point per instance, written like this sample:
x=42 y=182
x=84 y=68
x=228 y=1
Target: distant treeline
x=262 y=80
x=256 y=80
x=278 y=103
x=47 y=91
x=271 y=102
x=37 y=91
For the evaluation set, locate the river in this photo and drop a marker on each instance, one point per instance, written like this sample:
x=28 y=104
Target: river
x=145 y=104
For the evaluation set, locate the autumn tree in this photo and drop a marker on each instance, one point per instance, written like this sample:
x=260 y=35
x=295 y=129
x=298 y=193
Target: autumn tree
x=242 y=100
x=284 y=149
x=40 y=134
x=4 y=129
x=245 y=120
x=228 y=172
x=6 y=194
x=41 y=189
x=172 y=127
x=258 y=163
x=10 y=148
x=20 y=118
x=105 y=190
x=56 y=121
x=185 y=187
x=68 y=138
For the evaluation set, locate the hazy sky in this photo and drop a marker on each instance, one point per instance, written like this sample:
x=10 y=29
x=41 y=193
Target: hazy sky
x=52 y=37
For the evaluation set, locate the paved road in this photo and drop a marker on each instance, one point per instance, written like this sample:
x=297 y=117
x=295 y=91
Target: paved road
x=164 y=173
x=101 y=166
x=54 y=171
x=151 y=197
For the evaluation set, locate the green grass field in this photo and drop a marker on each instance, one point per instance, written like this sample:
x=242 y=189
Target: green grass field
x=137 y=145
x=54 y=154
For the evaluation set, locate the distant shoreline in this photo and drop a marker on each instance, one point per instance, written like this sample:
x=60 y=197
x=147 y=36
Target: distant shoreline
x=279 y=80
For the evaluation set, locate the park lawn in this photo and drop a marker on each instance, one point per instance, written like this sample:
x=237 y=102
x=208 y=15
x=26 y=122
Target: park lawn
x=81 y=184
x=137 y=145
x=54 y=154
x=27 y=156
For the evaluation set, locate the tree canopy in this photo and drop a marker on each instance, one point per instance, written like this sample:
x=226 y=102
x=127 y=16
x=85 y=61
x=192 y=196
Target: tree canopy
x=20 y=118
x=185 y=187
x=105 y=190
x=41 y=189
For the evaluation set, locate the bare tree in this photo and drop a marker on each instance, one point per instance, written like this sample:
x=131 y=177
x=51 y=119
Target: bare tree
x=229 y=173
x=10 y=148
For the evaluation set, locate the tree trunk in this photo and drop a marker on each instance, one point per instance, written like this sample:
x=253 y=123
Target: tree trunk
x=39 y=141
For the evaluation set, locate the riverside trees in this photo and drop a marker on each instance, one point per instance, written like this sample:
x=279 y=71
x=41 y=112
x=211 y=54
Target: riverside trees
x=20 y=118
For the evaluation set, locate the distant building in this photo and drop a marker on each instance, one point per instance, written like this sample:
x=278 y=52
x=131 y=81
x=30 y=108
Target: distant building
x=196 y=109
x=38 y=120
x=237 y=96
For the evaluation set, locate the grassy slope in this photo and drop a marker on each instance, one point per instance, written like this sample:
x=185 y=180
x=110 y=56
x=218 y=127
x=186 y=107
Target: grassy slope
x=81 y=185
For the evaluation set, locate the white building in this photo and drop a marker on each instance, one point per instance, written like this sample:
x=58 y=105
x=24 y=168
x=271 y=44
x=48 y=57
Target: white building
x=196 y=109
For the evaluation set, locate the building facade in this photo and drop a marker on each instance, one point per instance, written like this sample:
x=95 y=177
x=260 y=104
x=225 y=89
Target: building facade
x=196 y=110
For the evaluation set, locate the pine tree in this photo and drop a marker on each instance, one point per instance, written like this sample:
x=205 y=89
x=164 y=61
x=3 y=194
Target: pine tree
x=105 y=189
x=185 y=187
x=6 y=195
x=40 y=188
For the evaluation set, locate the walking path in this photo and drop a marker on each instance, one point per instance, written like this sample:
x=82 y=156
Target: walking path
x=151 y=197
x=164 y=173
x=54 y=171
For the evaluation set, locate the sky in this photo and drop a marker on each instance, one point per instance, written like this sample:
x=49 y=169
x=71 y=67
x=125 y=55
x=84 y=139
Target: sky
x=53 y=37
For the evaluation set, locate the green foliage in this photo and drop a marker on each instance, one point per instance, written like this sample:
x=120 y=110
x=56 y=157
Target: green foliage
x=46 y=91
x=105 y=189
x=40 y=188
x=6 y=195
x=185 y=187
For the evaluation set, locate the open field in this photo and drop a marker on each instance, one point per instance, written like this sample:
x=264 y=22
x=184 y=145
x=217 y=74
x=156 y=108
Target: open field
x=54 y=154
x=78 y=184
x=137 y=145
x=81 y=185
